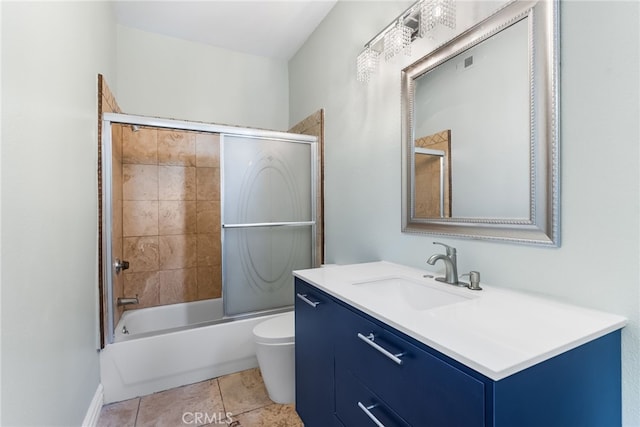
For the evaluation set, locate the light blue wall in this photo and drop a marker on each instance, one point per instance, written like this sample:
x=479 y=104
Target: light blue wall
x=51 y=56
x=168 y=77
x=598 y=263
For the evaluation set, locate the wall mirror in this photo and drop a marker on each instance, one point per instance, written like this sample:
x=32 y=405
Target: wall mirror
x=480 y=153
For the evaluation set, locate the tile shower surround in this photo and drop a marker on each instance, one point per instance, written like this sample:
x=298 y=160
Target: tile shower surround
x=169 y=196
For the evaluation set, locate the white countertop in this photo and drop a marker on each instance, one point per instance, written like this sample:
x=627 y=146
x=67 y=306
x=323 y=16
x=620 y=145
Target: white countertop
x=496 y=332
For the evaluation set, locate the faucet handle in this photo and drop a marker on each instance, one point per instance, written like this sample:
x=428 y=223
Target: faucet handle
x=474 y=280
x=450 y=249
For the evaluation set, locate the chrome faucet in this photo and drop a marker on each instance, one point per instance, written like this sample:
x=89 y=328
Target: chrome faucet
x=451 y=265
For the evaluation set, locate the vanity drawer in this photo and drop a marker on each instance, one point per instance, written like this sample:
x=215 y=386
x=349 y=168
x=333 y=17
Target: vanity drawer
x=423 y=389
x=356 y=405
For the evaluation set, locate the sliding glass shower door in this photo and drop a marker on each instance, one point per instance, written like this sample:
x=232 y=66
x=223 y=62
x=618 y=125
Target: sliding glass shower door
x=268 y=220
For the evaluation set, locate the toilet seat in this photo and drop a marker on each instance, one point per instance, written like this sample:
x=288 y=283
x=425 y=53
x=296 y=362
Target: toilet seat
x=278 y=330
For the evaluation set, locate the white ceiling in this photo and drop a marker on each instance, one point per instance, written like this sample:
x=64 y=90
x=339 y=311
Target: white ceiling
x=274 y=29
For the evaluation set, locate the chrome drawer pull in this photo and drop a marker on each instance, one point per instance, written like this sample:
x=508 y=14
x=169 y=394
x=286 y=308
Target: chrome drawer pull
x=366 y=410
x=369 y=340
x=304 y=298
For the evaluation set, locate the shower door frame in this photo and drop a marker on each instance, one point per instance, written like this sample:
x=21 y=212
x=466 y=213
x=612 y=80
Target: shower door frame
x=107 y=169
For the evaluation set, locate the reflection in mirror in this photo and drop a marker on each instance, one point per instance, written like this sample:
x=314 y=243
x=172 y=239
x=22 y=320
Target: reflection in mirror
x=432 y=172
x=482 y=95
x=494 y=89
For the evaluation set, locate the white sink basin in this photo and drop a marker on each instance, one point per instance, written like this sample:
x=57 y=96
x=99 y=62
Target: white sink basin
x=399 y=291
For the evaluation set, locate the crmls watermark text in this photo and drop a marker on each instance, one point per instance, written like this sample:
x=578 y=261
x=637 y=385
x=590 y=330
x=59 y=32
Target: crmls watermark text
x=199 y=418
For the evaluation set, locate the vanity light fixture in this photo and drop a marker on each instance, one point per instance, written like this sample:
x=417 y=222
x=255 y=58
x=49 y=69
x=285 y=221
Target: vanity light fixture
x=416 y=21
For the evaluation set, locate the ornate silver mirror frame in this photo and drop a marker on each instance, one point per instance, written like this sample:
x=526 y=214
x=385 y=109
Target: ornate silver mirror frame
x=542 y=226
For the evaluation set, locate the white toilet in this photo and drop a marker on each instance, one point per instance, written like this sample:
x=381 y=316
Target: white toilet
x=275 y=343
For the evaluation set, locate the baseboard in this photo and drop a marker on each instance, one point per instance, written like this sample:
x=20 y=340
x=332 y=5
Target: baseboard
x=93 y=413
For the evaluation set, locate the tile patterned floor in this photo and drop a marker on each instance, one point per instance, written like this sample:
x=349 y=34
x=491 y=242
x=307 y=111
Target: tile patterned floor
x=236 y=400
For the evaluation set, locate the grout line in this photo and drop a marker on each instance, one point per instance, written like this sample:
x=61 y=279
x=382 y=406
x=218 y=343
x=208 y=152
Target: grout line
x=224 y=408
x=135 y=422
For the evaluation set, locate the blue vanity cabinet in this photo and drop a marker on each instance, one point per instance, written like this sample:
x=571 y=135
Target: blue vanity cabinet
x=314 y=356
x=362 y=368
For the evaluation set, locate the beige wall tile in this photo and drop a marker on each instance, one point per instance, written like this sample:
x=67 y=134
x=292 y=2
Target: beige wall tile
x=176 y=148
x=208 y=250
x=139 y=146
x=177 y=251
x=117 y=249
x=116 y=219
x=116 y=142
x=178 y=285
x=140 y=218
x=208 y=183
x=177 y=183
x=140 y=182
x=109 y=104
x=208 y=216
x=177 y=217
x=209 y=282
x=142 y=253
x=116 y=172
x=116 y=182
x=315 y=130
x=145 y=285
x=307 y=125
x=207 y=150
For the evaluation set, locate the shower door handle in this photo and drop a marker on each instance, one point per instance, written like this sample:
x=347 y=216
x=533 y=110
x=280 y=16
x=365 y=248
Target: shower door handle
x=304 y=298
x=270 y=224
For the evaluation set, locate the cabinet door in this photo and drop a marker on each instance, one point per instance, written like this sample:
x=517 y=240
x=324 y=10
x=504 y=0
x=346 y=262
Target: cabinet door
x=314 y=356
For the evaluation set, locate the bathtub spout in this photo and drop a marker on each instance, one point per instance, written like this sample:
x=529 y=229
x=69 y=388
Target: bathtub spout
x=128 y=301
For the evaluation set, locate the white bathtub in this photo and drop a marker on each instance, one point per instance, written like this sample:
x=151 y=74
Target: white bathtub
x=161 y=319
x=174 y=345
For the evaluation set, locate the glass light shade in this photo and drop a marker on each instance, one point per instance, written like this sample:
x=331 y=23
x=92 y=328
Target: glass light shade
x=397 y=40
x=367 y=63
x=434 y=12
